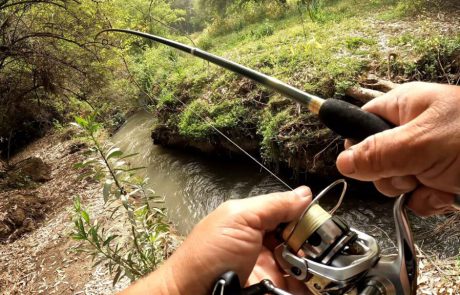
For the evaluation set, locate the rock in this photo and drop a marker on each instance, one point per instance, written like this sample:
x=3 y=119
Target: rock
x=34 y=168
x=76 y=147
x=19 y=214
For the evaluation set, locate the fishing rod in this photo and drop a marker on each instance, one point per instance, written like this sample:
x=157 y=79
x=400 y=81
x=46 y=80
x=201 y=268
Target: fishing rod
x=341 y=117
x=319 y=248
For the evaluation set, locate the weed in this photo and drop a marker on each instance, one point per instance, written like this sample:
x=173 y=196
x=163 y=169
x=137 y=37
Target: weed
x=130 y=250
x=199 y=117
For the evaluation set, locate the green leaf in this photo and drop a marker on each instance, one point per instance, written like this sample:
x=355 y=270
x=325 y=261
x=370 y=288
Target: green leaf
x=77 y=237
x=82 y=122
x=85 y=216
x=130 y=169
x=84 y=175
x=114 y=153
x=114 y=211
x=117 y=276
x=78 y=165
x=98 y=262
x=106 y=190
x=129 y=156
x=77 y=204
x=94 y=236
x=109 y=239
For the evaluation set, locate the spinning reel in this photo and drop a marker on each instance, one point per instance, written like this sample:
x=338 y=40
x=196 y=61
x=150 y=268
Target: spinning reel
x=332 y=258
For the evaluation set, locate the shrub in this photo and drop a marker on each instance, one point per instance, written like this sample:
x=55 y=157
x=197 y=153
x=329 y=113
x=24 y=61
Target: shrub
x=137 y=247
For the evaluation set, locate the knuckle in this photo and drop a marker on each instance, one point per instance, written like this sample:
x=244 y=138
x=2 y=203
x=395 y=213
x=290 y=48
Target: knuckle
x=231 y=207
x=371 y=155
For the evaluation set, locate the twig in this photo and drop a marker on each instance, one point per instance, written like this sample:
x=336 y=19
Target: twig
x=442 y=69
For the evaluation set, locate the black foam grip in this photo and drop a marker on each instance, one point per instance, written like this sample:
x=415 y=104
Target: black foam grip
x=351 y=121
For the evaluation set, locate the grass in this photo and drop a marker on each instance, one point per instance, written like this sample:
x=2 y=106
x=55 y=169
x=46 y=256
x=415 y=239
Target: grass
x=324 y=55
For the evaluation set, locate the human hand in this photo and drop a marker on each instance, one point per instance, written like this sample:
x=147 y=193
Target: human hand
x=421 y=154
x=230 y=238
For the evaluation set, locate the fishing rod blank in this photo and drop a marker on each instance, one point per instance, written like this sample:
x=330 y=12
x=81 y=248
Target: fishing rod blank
x=341 y=117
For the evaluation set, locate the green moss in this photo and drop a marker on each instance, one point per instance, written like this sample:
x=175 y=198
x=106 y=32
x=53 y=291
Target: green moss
x=356 y=42
x=200 y=116
x=269 y=129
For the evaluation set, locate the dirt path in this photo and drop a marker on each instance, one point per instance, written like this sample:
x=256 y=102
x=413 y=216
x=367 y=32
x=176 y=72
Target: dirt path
x=43 y=261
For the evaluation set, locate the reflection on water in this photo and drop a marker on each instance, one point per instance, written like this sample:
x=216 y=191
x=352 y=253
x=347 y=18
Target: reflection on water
x=194 y=185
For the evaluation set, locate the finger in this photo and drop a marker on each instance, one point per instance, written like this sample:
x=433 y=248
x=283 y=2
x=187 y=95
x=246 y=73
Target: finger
x=398 y=106
x=395 y=186
x=267 y=268
x=266 y=212
x=426 y=201
x=409 y=149
x=385 y=106
x=378 y=156
x=348 y=144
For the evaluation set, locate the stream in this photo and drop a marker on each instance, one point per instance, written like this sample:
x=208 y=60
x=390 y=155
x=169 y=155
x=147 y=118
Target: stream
x=193 y=185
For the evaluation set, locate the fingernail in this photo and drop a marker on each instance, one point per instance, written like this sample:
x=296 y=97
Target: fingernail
x=345 y=162
x=402 y=183
x=303 y=191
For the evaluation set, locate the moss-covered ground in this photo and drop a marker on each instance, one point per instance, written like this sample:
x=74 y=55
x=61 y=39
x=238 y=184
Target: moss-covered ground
x=323 y=51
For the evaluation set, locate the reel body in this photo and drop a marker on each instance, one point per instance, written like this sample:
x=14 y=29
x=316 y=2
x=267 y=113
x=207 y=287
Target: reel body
x=331 y=258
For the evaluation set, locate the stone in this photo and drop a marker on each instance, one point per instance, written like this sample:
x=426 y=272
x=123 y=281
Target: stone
x=34 y=168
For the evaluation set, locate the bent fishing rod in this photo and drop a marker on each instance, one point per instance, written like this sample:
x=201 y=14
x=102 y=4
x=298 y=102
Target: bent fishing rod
x=341 y=117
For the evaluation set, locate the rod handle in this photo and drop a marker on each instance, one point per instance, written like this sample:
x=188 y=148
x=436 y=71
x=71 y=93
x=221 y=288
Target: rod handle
x=350 y=121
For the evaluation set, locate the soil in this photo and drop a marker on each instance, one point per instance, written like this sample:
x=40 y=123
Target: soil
x=37 y=256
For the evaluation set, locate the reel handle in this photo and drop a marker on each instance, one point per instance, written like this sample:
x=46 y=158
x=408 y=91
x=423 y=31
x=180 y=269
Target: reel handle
x=229 y=284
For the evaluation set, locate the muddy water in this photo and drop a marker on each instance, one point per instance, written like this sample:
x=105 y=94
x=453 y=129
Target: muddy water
x=193 y=185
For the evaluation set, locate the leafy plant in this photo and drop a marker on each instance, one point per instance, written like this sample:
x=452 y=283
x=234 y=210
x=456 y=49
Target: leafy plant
x=142 y=238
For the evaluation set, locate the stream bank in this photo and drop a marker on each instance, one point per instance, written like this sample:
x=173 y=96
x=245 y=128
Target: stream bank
x=331 y=56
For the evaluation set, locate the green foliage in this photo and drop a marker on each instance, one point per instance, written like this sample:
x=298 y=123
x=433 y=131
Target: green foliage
x=141 y=241
x=205 y=42
x=242 y=13
x=199 y=117
x=266 y=29
x=430 y=59
x=50 y=60
x=356 y=42
x=269 y=129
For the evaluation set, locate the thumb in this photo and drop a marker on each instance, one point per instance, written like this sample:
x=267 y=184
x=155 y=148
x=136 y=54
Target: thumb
x=386 y=154
x=272 y=209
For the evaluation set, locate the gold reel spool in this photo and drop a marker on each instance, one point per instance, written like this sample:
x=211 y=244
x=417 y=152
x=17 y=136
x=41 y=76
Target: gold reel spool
x=297 y=232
